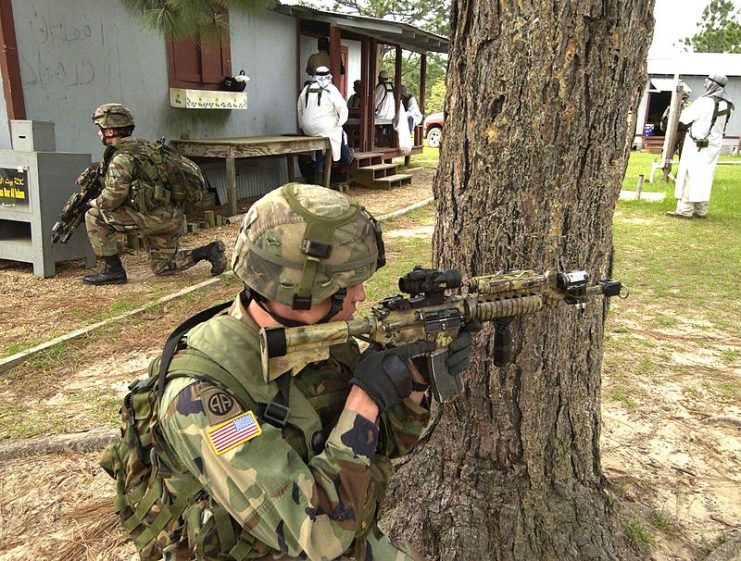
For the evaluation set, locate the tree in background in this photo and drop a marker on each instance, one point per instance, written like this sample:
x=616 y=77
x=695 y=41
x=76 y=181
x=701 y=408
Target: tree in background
x=536 y=144
x=430 y=15
x=203 y=20
x=719 y=29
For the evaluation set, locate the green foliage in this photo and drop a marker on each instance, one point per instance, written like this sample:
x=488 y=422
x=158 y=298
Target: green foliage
x=437 y=97
x=202 y=20
x=430 y=15
x=719 y=29
x=640 y=538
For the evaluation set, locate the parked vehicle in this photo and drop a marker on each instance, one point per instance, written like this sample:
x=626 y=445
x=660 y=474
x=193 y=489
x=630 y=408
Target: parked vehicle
x=433 y=129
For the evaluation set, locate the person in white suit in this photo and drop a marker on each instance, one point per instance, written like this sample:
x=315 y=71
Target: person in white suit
x=321 y=112
x=706 y=118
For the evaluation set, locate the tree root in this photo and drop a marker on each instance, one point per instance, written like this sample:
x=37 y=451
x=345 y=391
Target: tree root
x=89 y=441
x=729 y=551
x=722 y=419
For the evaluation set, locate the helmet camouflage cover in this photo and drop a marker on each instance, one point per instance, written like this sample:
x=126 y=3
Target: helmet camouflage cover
x=300 y=244
x=113 y=115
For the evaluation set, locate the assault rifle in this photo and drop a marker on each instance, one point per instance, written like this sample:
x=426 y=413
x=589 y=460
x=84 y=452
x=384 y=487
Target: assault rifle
x=73 y=211
x=437 y=311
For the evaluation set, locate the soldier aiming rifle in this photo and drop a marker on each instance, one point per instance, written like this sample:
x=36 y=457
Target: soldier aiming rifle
x=263 y=413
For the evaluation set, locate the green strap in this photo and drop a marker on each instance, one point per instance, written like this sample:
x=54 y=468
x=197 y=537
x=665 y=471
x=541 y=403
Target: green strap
x=224 y=528
x=150 y=497
x=318 y=229
x=243 y=548
x=168 y=513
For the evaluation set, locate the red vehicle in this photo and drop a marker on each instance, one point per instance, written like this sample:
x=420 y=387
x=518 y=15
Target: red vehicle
x=433 y=129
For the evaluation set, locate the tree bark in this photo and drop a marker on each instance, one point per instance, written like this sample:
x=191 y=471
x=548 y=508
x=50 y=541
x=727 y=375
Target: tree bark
x=537 y=135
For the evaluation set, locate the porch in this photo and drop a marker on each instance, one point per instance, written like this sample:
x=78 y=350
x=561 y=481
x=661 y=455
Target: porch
x=359 y=47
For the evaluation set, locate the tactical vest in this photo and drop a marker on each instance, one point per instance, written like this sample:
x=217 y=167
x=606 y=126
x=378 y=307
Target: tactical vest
x=162 y=505
x=387 y=89
x=717 y=112
x=162 y=177
x=313 y=88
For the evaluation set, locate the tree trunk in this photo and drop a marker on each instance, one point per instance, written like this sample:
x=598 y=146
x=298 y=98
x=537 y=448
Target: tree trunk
x=537 y=137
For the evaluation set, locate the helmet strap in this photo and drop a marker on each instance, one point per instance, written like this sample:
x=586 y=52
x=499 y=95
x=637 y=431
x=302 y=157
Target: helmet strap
x=336 y=304
x=317 y=243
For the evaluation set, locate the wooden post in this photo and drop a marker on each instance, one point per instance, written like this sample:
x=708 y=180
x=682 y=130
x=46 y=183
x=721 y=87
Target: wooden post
x=335 y=54
x=10 y=64
x=418 y=140
x=290 y=169
x=231 y=182
x=639 y=187
x=371 y=106
x=327 y=164
x=366 y=96
x=210 y=218
x=397 y=93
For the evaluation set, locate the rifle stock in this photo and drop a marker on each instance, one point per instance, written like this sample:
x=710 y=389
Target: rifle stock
x=73 y=211
x=436 y=311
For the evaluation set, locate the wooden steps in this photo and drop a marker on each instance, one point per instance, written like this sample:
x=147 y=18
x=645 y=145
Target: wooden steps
x=369 y=170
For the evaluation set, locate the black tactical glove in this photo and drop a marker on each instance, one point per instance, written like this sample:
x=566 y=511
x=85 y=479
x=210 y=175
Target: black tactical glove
x=385 y=375
x=459 y=350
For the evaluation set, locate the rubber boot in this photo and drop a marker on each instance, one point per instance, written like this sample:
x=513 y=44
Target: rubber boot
x=113 y=273
x=214 y=253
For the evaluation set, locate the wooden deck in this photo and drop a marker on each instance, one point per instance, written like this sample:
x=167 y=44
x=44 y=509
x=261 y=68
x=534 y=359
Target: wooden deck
x=232 y=148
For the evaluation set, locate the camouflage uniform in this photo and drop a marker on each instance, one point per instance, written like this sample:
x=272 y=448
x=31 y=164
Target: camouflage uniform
x=293 y=501
x=115 y=211
x=312 y=487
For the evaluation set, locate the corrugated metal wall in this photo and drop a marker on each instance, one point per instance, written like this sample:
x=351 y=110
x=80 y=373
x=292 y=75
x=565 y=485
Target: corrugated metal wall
x=254 y=177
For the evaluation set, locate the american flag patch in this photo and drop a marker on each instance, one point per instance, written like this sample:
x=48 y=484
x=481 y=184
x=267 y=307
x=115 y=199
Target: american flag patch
x=230 y=434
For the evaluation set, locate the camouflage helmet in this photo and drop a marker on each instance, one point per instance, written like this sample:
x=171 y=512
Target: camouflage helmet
x=113 y=116
x=301 y=244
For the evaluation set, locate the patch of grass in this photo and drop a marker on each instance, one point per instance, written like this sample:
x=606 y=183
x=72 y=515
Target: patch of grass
x=663 y=523
x=429 y=158
x=664 y=320
x=640 y=539
x=16 y=347
x=622 y=396
x=731 y=390
x=402 y=255
x=49 y=359
x=730 y=355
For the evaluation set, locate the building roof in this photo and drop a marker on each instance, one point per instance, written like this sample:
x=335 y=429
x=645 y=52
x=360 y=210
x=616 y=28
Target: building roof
x=396 y=33
x=696 y=64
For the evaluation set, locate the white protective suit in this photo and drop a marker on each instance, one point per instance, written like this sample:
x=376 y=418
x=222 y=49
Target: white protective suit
x=697 y=167
x=384 y=99
x=414 y=111
x=323 y=115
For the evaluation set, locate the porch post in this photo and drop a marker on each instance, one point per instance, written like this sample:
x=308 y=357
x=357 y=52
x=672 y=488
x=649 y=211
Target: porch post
x=371 y=105
x=335 y=52
x=365 y=100
x=397 y=88
x=421 y=100
x=9 y=63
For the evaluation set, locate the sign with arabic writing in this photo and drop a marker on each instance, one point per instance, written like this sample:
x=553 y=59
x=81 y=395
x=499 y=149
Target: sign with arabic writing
x=14 y=186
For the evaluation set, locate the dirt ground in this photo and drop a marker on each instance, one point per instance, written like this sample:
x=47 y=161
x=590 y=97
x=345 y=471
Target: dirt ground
x=672 y=457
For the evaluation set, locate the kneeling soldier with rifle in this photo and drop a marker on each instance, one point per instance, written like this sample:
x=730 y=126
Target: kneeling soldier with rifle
x=262 y=432
x=134 y=198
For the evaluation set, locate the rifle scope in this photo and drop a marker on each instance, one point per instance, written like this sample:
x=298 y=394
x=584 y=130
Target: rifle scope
x=429 y=281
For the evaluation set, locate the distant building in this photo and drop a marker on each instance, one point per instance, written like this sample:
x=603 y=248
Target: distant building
x=692 y=69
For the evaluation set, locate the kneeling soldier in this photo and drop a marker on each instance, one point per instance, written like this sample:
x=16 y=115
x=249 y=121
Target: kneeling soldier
x=290 y=464
x=130 y=183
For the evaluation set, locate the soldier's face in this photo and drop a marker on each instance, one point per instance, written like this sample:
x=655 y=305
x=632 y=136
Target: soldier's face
x=353 y=295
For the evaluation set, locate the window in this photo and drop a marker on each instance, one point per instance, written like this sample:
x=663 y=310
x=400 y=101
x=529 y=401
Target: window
x=201 y=67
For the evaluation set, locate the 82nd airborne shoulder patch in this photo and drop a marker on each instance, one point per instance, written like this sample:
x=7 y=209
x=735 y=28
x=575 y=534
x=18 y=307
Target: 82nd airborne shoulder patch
x=230 y=434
